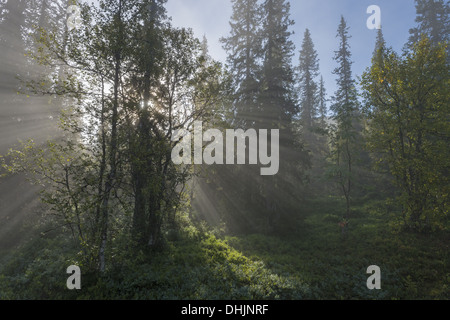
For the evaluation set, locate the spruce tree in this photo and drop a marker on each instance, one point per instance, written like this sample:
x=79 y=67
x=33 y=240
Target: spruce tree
x=279 y=108
x=380 y=45
x=312 y=100
x=346 y=111
x=308 y=71
x=278 y=100
x=433 y=21
x=244 y=50
x=323 y=108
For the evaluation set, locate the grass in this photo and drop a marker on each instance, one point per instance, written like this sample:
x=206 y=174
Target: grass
x=195 y=266
x=315 y=262
x=413 y=266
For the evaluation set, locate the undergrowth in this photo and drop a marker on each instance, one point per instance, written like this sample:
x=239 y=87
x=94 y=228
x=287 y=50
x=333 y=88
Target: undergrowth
x=317 y=261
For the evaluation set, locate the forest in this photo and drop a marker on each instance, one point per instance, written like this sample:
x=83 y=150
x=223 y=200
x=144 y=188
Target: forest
x=129 y=153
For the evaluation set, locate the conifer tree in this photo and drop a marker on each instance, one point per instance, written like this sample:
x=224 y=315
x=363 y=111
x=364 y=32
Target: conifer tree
x=277 y=97
x=323 y=108
x=346 y=112
x=308 y=71
x=433 y=21
x=380 y=44
x=279 y=108
x=243 y=46
x=244 y=61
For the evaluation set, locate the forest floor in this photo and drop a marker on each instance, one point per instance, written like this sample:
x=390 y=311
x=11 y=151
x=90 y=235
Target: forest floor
x=316 y=262
x=413 y=266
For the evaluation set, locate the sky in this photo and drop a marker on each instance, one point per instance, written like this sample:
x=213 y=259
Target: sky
x=321 y=17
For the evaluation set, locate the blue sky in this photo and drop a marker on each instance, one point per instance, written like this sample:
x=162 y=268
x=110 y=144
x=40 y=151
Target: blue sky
x=321 y=17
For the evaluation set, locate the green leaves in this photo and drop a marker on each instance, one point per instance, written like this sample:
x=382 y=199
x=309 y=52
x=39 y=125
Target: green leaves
x=407 y=104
